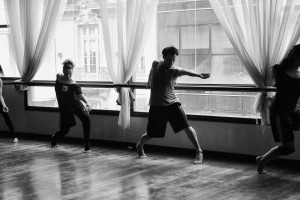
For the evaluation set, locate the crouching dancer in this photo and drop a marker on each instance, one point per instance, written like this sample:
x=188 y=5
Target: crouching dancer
x=71 y=101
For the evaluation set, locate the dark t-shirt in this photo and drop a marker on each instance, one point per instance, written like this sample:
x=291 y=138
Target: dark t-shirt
x=67 y=96
x=287 y=94
x=68 y=102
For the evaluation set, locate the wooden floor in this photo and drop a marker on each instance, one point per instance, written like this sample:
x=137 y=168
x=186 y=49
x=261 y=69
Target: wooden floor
x=32 y=170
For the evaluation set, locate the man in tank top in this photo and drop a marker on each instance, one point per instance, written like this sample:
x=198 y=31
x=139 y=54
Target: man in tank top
x=164 y=104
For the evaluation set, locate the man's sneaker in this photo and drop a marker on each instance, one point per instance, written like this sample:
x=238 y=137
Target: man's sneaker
x=53 y=142
x=15 y=140
x=87 y=148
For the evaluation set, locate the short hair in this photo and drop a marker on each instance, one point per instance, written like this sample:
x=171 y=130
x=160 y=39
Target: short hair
x=68 y=64
x=289 y=59
x=170 y=50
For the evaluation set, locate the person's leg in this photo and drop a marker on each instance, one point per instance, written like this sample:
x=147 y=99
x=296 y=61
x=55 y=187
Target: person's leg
x=261 y=161
x=283 y=150
x=59 y=134
x=178 y=120
x=140 y=145
x=86 y=125
x=282 y=131
x=157 y=123
x=10 y=125
x=191 y=133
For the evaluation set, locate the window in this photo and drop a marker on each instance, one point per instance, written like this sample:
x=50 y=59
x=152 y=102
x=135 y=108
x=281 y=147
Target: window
x=99 y=98
x=191 y=26
x=79 y=38
x=89 y=48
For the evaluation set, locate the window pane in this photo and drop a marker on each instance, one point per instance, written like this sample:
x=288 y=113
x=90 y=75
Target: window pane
x=203 y=16
x=167 y=19
x=79 y=38
x=7 y=62
x=228 y=69
x=231 y=104
x=100 y=98
x=167 y=36
x=197 y=63
x=141 y=103
x=150 y=54
x=220 y=41
x=3 y=20
x=195 y=41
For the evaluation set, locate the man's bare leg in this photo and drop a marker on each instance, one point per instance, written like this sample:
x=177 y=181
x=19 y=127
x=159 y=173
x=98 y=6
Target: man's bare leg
x=272 y=154
x=140 y=146
x=191 y=133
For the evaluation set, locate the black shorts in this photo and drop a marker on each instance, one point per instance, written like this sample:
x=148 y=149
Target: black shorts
x=160 y=115
x=67 y=117
x=282 y=129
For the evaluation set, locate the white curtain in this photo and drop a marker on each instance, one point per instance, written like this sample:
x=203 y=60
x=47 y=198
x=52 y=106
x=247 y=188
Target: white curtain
x=261 y=32
x=126 y=28
x=32 y=26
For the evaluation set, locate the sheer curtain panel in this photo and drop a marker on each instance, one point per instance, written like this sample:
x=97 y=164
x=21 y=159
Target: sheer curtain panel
x=126 y=27
x=32 y=26
x=262 y=32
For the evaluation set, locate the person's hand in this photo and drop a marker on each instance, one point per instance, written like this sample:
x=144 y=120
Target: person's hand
x=5 y=109
x=204 y=75
x=88 y=107
x=270 y=95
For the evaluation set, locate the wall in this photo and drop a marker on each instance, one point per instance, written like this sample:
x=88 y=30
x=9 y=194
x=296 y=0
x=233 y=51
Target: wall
x=214 y=136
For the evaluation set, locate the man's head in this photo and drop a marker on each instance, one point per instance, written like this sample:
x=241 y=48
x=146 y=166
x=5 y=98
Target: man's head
x=169 y=56
x=68 y=66
x=296 y=54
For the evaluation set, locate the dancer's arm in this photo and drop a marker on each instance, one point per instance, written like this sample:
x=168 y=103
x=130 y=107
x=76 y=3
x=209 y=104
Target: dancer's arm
x=82 y=98
x=154 y=64
x=185 y=72
x=150 y=78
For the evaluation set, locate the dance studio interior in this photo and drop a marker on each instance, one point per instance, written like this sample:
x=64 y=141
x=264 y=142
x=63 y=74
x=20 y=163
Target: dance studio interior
x=113 y=45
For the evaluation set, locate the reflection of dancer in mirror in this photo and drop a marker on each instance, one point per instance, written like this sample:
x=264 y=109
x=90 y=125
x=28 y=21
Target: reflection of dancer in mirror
x=287 y=82
x=164 y=104
x=4 y=112
x=71 y=101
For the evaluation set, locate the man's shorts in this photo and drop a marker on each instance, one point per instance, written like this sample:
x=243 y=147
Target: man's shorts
x=160 y=115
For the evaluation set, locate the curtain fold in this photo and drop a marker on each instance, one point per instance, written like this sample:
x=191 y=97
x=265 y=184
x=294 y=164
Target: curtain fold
x=32 y=25
x=126 y=27
x=261 y=32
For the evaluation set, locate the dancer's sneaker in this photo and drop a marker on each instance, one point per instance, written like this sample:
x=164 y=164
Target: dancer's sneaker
x=15 y=140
